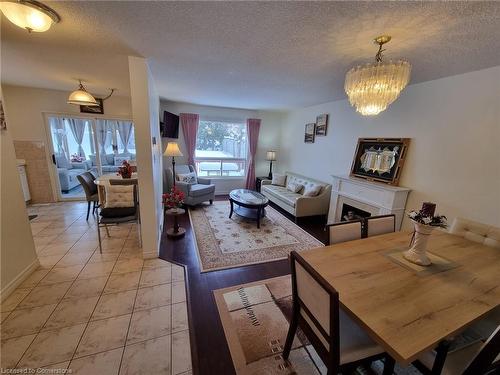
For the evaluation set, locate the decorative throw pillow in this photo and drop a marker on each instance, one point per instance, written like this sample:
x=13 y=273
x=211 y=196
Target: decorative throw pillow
x=119 y=196
x=293 y=187
x=278 y=179
x=311 y=190
x=188 y=178
x=119 y=160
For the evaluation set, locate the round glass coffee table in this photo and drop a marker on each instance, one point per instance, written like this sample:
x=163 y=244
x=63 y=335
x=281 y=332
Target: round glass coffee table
x=248 y=203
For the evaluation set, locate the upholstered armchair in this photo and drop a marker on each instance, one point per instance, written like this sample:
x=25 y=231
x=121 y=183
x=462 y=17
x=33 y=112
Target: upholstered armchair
x=195 y=193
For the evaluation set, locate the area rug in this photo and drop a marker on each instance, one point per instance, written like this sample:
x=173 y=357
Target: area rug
x=255 y=318
x=226 y=243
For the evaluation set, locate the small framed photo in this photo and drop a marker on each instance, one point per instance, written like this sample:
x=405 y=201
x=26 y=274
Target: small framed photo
x=93 y=109
x=321 y=124
x=309 y=133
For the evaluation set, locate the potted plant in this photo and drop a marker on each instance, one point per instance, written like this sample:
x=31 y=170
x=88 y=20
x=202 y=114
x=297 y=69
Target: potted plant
x=125 y=170
x=174 y=199
x=424 y=223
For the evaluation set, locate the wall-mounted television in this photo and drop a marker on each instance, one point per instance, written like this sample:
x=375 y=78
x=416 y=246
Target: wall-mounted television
x=170 y=126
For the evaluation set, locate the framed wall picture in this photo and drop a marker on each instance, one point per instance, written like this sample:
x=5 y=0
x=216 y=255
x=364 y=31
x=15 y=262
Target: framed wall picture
x=309 y=133
x=380 y=159
x=93 y=109
x=321 y=124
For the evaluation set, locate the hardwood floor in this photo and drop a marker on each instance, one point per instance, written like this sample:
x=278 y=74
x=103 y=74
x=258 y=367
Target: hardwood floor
x=208 y=343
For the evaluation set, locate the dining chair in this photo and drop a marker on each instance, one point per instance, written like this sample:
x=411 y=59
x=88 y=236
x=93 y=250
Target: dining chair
x=90 y=188
x=339 y=341
x=114 y=214
x=475 y=359
x=478 y=232
x=344 y=231
x=381 y=224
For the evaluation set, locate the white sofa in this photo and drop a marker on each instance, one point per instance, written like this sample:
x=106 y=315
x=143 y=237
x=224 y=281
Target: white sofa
x=296 y=203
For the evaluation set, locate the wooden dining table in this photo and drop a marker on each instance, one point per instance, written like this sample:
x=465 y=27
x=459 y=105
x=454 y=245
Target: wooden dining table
x=408 y=312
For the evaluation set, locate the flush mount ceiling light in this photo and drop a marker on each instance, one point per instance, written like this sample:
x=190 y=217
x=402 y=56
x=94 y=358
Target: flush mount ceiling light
x=373 y=86
x=29 y=14
x=82 y=97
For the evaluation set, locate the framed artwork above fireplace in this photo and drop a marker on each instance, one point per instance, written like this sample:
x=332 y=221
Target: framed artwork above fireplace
x=380 y=159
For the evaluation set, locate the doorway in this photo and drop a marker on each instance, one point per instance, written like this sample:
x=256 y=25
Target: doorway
x=79 y=145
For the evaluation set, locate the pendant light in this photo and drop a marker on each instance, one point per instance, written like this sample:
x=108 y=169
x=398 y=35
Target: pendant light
x=373 y=86
x=82 y=97
x=29 y=14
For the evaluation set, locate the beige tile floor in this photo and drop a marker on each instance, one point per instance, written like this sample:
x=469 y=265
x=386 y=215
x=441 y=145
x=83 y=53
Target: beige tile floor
x=109 y=313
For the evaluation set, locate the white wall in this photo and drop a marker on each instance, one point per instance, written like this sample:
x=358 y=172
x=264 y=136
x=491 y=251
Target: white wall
x=17 y=249
x=269 y=136
x=453 y=159
x=27 y=105
x=145 y=114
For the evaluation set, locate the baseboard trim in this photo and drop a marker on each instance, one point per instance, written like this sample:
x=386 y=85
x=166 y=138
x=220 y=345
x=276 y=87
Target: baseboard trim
x=18 y=280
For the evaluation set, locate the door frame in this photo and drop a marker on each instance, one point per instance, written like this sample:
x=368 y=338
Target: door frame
x=49 y=149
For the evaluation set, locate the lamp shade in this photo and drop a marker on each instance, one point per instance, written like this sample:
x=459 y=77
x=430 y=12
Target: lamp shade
x=172 y=149
x=29 y=15
x=271 y=155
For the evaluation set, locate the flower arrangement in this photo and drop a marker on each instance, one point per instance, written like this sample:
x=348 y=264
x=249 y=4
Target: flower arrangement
x=125 y=170
x=75 y=158
x=426 y=216
x=174 y=199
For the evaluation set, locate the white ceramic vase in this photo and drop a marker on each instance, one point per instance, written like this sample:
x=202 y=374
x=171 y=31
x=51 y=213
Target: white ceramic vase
x=417 y=253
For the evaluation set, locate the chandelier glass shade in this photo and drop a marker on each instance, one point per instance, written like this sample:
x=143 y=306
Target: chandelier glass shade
x=372 y=87
x=30 y=15
x=82 y=97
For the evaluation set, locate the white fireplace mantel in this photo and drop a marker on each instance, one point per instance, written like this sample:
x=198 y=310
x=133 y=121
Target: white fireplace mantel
x=373 y=197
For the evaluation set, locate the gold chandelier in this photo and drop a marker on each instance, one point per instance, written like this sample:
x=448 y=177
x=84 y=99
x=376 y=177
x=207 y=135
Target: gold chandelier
x=373 y=86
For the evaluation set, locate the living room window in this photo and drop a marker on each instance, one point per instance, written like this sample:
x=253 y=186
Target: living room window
x=221 y=149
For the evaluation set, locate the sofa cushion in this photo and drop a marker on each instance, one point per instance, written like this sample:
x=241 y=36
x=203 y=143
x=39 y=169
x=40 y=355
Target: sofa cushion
x=278 y=179
x=282 y=194
x=197 y=190
x=188 y=178
x=303 y=181
x=62 y=162
x=294 y=187
x=118 y=160
x=311 y=190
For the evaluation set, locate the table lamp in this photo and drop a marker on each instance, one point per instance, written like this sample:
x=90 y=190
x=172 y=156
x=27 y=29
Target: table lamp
x=173 y=151
x=271 y=156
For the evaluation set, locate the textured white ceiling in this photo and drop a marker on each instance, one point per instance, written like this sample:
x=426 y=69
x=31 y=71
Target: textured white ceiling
x=262 y=55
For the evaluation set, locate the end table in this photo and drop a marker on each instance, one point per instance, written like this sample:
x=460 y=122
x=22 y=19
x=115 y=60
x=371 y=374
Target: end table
x=176 y=231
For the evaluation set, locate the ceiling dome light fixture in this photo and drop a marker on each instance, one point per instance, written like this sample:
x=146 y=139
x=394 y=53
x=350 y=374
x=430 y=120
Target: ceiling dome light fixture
x=29 y=14
x=82 y=97
x=373 y=86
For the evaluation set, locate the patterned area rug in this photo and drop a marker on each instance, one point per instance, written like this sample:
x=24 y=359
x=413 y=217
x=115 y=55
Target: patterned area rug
x=255 y=318
x=226 y=243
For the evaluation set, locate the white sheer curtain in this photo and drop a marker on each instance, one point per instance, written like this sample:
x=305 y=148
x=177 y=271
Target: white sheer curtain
x=59 y=132
x=125 y=130
x=77 y=127
x=102 y=135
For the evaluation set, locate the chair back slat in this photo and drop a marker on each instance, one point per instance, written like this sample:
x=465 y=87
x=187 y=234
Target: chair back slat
x=86 y=179
x=345 y=231
x=377 y=225
x=315 y=301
